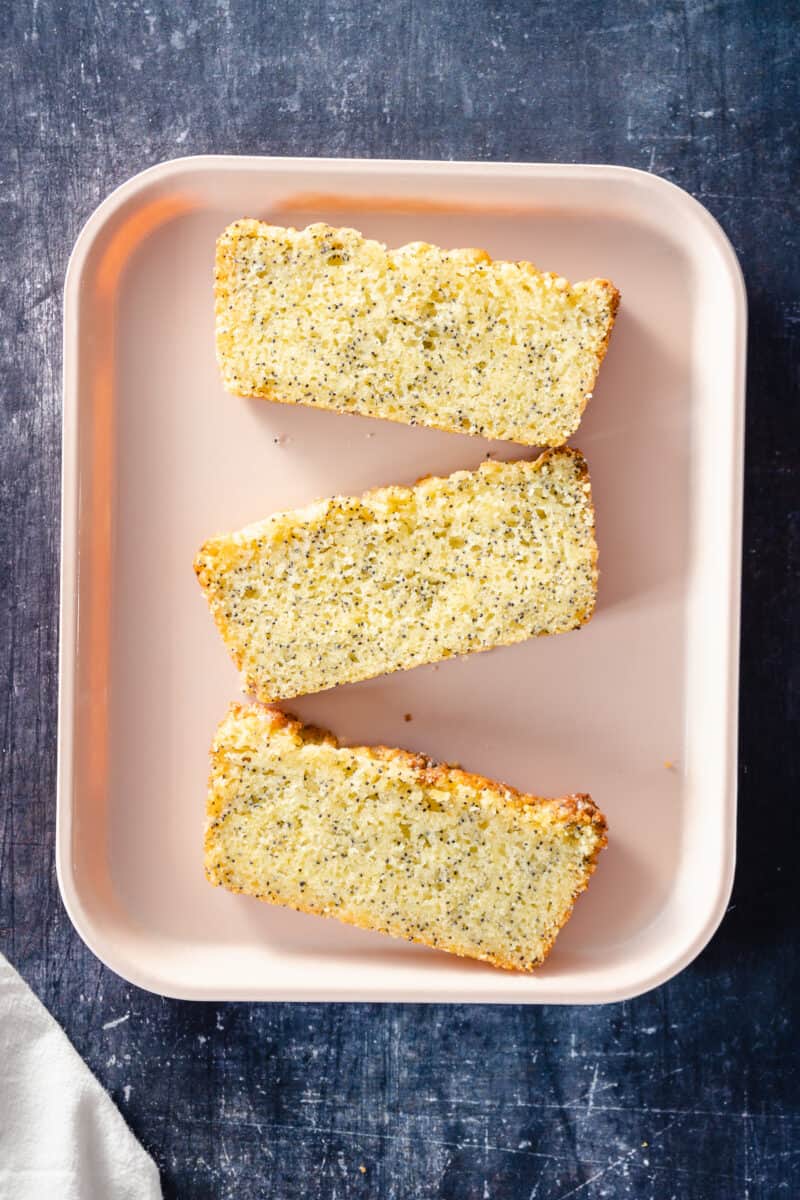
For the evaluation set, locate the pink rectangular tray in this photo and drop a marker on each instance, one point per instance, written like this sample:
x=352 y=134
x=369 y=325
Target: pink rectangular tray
x=639 y=708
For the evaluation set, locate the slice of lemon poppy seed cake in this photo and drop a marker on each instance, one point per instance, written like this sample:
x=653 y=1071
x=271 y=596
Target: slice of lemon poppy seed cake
x=422 y=335
x=389 y=841
x=353 y=587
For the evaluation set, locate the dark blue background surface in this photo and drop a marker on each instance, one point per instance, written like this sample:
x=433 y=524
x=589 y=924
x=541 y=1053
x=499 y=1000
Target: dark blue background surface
x=690 y=1092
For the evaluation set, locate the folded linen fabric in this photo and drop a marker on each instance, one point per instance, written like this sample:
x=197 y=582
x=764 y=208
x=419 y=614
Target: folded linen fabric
x=60 y=1132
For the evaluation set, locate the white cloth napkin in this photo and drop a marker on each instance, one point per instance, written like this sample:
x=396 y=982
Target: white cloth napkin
x=61 y=1135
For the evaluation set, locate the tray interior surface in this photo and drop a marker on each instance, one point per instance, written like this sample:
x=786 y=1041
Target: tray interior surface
x=166 y=458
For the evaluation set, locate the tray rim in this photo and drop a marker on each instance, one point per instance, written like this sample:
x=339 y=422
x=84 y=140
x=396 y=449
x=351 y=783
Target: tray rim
x=480 y=992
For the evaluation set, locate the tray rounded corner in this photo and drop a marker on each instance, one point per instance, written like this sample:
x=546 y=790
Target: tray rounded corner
x=92 y=934
x=693 y=941
x=696 y=211
x=109 y=206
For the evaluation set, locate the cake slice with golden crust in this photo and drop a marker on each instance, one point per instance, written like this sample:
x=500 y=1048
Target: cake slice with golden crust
x=423 y=335
x=390 y=841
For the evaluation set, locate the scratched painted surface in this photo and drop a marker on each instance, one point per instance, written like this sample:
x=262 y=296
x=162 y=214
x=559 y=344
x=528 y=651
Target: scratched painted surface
x=688 y=1093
